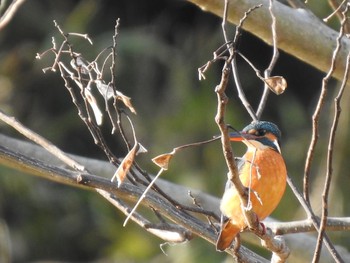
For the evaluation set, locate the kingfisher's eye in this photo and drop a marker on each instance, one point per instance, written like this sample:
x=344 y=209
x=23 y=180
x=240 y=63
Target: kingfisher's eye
x=260 y=132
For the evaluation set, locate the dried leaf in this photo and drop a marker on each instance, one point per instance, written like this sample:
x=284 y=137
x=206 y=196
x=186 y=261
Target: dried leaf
x=126 y=100
x=107 y=92
x=93 y=103
x=163 y=160
x=277 y=84
x=141 y=149
x=125 y=166
x=127 y=162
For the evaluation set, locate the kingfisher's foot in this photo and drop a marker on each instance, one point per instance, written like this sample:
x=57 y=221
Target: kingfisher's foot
x=262 y=228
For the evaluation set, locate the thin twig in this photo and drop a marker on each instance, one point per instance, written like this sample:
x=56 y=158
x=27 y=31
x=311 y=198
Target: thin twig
x=272 y=64
x=142 y=196
x=231 y=46
x=114 y=51
x=338 y=10
x=307 y=225
x=312 y=216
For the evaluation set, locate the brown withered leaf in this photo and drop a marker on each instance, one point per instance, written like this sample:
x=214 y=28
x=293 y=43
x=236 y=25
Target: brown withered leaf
x=126 y=100
x=108 y=93
x=277 y=84
x=163 y=160
x=125 y=166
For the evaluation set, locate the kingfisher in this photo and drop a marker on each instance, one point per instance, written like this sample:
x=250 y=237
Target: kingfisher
x=262 y=170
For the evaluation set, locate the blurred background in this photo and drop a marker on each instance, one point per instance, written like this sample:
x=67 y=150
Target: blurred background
x=161 y=44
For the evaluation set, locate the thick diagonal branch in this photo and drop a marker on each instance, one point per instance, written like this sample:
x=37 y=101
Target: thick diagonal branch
x=295 y=30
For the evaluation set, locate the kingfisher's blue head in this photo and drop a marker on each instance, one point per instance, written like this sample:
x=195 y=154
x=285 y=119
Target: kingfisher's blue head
x=259 y=134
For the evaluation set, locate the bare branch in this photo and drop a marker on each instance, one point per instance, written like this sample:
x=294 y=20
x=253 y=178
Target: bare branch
x=231 y=47
x=307 y=225
x=312 y=216
x=19 y=159
x=316 y=115
x=273 y=61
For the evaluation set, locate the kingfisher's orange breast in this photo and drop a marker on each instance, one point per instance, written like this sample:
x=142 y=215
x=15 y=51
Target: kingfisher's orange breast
x=265 y=173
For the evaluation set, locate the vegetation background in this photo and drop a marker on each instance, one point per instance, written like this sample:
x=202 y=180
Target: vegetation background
x=160 y=46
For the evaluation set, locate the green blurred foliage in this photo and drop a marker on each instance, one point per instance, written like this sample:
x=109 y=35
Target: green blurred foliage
x=160 y=46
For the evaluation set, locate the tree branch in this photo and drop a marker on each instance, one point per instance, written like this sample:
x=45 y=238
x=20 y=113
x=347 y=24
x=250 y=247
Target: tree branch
x=29 y=158
x=295 y=28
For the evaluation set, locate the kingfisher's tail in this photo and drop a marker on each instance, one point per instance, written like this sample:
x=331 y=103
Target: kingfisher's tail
x=227 y=234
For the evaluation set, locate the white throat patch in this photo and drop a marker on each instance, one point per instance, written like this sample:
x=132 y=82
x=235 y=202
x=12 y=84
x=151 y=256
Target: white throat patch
x=258 y=145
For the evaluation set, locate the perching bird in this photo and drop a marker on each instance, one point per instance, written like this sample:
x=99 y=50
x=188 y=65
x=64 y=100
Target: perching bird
x=262 y=170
